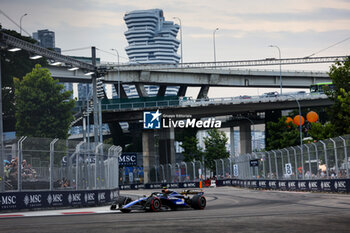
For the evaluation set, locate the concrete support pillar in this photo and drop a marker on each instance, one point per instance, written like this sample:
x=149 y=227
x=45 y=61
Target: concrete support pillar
x=148 y=153
x=161 y=90
x=167 y=146
x=182 y=90
x=232 y=141
x=122 y=91
x=245 y=137
x=203 y=93
x=141 y=90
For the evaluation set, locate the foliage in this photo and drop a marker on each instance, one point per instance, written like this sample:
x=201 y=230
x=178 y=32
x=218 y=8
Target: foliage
x=14 y=64
x=215 y=147
x=191 y=149
x=282 y=134
x=42 y=108
x=339 y=112
x=320 y=131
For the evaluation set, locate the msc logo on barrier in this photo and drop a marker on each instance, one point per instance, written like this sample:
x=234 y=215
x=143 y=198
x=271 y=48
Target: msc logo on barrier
x=128 y=159
x=151 y=120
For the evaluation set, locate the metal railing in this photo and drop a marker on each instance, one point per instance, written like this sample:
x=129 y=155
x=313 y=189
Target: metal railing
x=325 y=159
x=53 y=164
x=189 y=101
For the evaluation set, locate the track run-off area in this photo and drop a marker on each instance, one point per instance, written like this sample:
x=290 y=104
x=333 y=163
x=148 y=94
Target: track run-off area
x=228 y=209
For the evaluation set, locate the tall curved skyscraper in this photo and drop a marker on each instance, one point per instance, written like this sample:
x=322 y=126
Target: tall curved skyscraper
x=152 y=40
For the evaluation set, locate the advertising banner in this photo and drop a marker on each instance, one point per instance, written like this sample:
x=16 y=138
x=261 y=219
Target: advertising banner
x=47 y=199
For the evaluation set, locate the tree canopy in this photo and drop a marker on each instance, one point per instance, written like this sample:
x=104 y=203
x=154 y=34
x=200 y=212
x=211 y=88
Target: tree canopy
x=191 y=149
x=339 y=112
x=42 y=108
x=282 y=134
x=215 y=147
x=14 y=64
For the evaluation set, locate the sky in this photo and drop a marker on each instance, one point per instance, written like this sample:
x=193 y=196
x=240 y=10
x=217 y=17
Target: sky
x=246 y=28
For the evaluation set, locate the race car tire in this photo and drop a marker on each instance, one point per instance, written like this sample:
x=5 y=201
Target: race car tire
x=198 y=202
x=154 y=204
x=113 y=206
x=125 y=210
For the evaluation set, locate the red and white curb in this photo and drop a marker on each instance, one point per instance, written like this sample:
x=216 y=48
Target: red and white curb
x=65 y=212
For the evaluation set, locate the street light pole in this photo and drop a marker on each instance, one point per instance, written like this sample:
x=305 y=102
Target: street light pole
x=279 y=52
x=182 y=61
x=20 y=23
x=119 y=73
x=94 y=93
x=214 y=45
x=2 y=156
x=300 y=130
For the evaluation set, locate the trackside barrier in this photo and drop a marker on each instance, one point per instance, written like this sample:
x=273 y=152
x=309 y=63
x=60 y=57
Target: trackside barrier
x=54 y=199
x=186 y=185
x=335 y=185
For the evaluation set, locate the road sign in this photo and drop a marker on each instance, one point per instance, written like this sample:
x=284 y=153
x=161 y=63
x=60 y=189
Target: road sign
x=254 y=162
x=235 y=170
x=288 y=167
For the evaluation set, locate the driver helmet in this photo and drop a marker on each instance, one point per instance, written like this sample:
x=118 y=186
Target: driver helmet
x=165 y=189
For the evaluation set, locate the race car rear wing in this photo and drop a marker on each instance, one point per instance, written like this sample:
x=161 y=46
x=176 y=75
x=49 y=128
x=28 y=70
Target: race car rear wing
x=193 y=191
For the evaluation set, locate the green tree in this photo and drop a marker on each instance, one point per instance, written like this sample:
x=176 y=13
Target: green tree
x=14 y=64
x=42 y=108
x=215 y=147
x=320 y=131
x=191 y=149
x=282 y=134
x=339 y=112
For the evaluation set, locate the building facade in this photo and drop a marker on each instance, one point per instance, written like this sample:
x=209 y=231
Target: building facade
x=46 y=39
x=152 y=40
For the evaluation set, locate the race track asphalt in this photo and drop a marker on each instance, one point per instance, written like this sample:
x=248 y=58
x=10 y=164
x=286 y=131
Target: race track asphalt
x=228 y=210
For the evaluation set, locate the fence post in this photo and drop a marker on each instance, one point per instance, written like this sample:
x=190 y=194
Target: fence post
x=155 y=173
x=179 y=171
x=171 y=170
x=223 y=168
x=288 y=157
x=19 y=166
x=346 y=157
x=325 y=156
x=276 y=165
x=296 y=163
x=282 y=162
x=185 y=168
x=194 y=170
x=163 y=175
x=96 y=164
x=117 y=152
x=77 y=165
x=308 y=155
x=264 y=168
x=109 y=160
x=336 y=157
x=52 y=148
x=302 y=161
x=318 y=162
x=270 y=168
x=230 y=164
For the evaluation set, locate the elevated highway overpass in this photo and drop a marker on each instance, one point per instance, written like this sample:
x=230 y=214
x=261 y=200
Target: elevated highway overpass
x=200 y=77
x=215 y=107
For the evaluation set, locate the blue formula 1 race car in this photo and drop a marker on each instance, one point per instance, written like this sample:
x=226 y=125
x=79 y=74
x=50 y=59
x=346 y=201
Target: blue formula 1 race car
x=165 y=200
